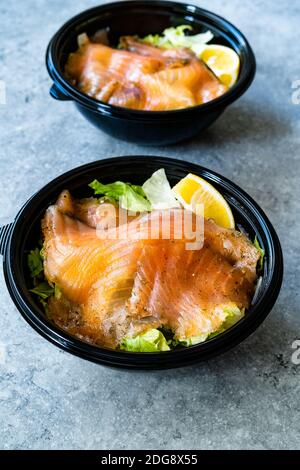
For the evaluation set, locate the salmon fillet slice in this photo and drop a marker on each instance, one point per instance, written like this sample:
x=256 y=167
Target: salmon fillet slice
x=125 y=282
x=142 y=77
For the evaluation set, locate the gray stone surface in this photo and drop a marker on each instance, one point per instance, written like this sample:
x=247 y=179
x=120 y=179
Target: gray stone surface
x=248 y=398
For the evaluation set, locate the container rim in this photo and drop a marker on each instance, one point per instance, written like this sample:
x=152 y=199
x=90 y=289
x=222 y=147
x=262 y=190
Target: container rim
x=70 y=92
x=169 y=359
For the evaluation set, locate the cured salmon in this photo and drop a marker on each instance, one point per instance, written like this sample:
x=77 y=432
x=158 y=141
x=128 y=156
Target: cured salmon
x=120 y=281
x=142 y=77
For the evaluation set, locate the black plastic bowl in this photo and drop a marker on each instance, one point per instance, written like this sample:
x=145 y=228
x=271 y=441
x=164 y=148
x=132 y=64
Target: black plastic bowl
x=142 y=18
x=23 y=234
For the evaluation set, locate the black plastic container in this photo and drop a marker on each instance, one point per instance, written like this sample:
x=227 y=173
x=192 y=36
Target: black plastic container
x=142 y=18
x=22 y=235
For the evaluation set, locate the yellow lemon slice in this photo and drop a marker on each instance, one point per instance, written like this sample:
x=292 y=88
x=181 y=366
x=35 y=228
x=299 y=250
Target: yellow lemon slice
x=223 y=61
x=193 y=191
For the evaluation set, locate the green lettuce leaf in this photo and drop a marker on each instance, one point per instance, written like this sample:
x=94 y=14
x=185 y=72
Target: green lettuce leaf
x=151 y=341
x=43 y=290
x=158 y=191
x=233 y=315
x=41 y=287
x=155 y=40
x=130 y=197
x=193 y=340
x=35 y=262
x=260 y=263
x=176 y=37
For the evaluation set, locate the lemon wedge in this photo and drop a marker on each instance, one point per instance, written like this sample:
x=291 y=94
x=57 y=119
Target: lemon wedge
x=223 y=61
x=193 y=191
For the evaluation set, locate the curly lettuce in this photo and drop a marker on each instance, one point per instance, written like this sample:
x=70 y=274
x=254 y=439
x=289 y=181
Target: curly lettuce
x=232 y=315
x=176 y=37
x=155 y=340
x=158 y=191
x=130 y=197
x=151 y=341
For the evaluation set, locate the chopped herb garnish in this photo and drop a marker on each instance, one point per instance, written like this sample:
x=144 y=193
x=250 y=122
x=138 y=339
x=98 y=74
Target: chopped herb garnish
x=43 y=290
x=35 y=262
x=41 y=287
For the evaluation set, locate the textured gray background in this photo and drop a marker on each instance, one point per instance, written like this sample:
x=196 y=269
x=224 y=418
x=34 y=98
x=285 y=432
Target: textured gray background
x=250 y=397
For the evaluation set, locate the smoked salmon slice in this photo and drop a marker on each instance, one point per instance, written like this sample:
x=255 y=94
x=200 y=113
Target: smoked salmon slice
x=124 y=282
x=142 y=77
